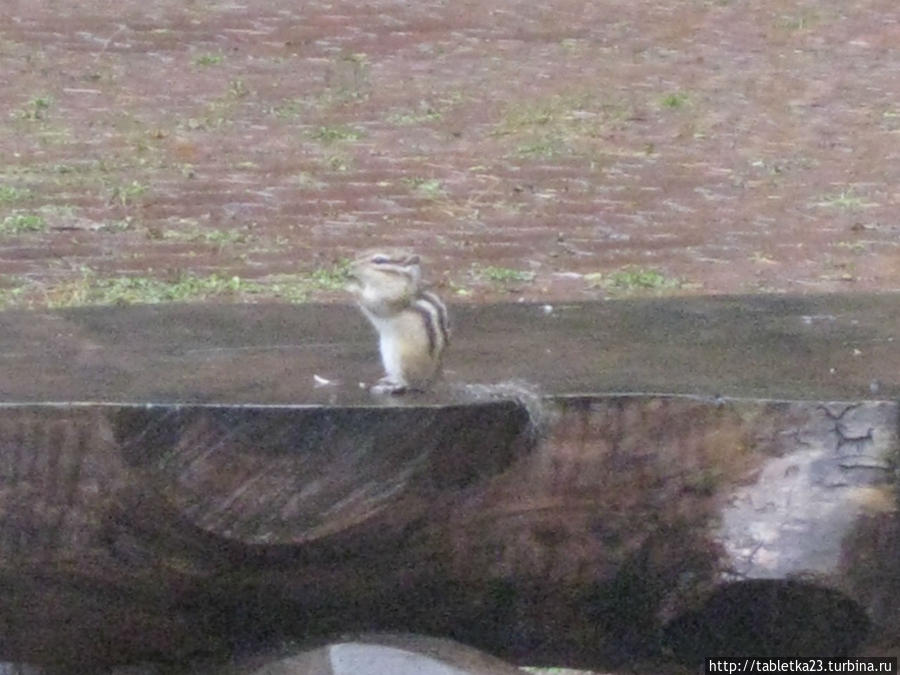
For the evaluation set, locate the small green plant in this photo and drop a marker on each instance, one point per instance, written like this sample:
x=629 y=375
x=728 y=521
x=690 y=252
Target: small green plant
x=58 y=212
x=856 y=247
x=10 y=194
x=570 y=113
x=333 y=134
x=208 y=236
x=427 y=187
x=36 y=108
x=209 y=59
x=128 y=194
x=761 y=258
x=288 y=287
x=223 y=237
x=237 y=89
x=545 y=147
x=641 y=278
x=675 y=100
x=11 y=296
x=288 y=108
x=566 y=124
x=505 y=275
x=332 y=278
x=20 y=223
x=459 y=290
x=797 y=22
x=634 y=280
x=524 y=116
x=845 y=199
x=408 y=118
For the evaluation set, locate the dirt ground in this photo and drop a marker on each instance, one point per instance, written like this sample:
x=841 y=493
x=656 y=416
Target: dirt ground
x=189 y=149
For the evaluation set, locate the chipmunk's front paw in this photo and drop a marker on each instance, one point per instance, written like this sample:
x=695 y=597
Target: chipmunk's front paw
x=388 y=385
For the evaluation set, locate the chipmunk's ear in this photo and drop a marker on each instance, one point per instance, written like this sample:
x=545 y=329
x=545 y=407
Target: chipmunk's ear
x=412 y=260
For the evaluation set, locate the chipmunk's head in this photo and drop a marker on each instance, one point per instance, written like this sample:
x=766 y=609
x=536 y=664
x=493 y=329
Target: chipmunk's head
x=385 y=278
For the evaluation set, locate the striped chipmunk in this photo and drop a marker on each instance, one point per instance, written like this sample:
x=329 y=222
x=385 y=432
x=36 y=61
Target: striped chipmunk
x=412 y=323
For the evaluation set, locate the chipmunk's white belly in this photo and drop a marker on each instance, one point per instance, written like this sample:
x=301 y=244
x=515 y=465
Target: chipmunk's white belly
x=389 y=344
x=403 y=344
x=390 y=339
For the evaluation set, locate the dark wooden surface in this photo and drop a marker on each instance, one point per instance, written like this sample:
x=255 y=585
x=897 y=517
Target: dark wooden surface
x=809 y=347
x=173 y=483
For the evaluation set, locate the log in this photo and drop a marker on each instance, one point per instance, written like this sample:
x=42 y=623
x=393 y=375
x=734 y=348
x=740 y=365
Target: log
x=593 y=483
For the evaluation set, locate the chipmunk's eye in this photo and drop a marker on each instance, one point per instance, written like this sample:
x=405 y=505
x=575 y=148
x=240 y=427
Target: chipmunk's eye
x=380 y=259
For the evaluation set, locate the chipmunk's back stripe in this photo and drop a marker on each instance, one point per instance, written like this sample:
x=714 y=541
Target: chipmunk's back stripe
x=441 y=309
x=427 y=312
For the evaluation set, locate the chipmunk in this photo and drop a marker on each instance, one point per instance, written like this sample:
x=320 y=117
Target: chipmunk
x=412 y=323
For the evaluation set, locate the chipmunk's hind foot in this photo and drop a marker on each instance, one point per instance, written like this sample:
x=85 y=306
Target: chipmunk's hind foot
x=388 y=385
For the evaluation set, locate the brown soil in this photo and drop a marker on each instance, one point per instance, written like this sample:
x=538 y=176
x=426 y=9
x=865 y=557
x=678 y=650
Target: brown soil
x=562 y=149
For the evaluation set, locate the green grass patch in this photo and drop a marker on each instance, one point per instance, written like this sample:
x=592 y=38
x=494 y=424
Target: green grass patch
x=92 y=289
x=209 y=59
x=674 y=100
x=855 y=247
x=534 y=114
x=11 y=296
x=338 y=133
x=332 y=278
x=545 y=147
x=208 y=236
x=128 y=194
x=407 y=118
x=427 y=187
x=504 y=275
x=459 y=289
x=634 y=280
x=237 y=89
x=845 y=199
x=573 y=112
x=288 y=109
x=21 y=223
x=36 y=109
x=803 y=20
x=10 y=194
x=563 y=124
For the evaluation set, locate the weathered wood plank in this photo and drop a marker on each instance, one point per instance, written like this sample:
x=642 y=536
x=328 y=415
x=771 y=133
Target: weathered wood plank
x=820 y=348
x=173 y=483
